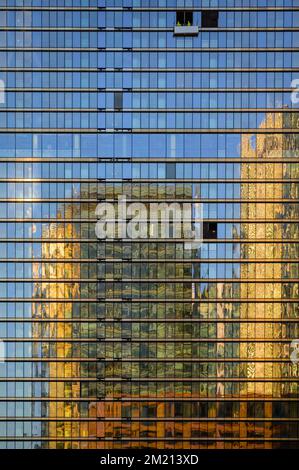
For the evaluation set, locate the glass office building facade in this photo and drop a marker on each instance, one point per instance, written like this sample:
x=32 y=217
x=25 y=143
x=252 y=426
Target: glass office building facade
x=143 y=343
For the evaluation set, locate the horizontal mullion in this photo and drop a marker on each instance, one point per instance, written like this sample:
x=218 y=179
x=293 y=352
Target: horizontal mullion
x=197 y=159
x=50 y=419
x=203 y=160
x=147 y=89
x=191 y=90
x=52 y=240
x=132 y=9
x=53 y=110
x=53 y=160
x=131 y=399
x=202 y=360
x=195 y=9
x=92 y=220
x=47 y=300
x=194 y=69
x=159 y=419
x=51 y=220
x=52 y=8
x=51 y=69
x=257 y=130
x=199 y=340
x=165 y=49
x=92 y=28
x=151 y=110
x=215 y=399
x=186 y=261
x=186 y=320
x=142 y=29
x=169 y=28
x=31 y=130
x=183 y=110
x=79 y=89
x=153 y=159
x=187 y=300
x=93 y=240
x=46 y=339
x=58 y=180
x=173 y=361
x=135 y=182
x=192 y=301
x=54 y=281
x=70 y=49
x=155 y=340
x=174 y=280
x=120 y=439
x=170 y=199
x=62 y=200
x=185 y=379
x=53 y=439
x=122 y=300
x=52 y=260
x=150 y=49
x=48 y=379
x=52 y=320
x=52 y=359
x=160 y=181
x=160 y=200
x=123 y=69
x=205 y=379
x=229 y=280
x=166 y=320
x=210 y=219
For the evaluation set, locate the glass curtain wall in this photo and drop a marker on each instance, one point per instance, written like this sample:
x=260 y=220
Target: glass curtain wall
x=143 y=343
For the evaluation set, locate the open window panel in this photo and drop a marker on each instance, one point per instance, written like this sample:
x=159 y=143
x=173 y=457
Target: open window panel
x=170 y=170
x=210 y=231
x=209 y=19
x=118 y=100
x=184 y=18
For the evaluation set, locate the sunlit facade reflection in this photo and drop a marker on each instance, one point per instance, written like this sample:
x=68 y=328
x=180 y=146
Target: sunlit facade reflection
x=269 y=271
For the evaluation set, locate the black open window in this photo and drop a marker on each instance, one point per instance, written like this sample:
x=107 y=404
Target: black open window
x=184 y=18
x=170 y=170
x=118 y=100
x=210 y=230
x=209 y=19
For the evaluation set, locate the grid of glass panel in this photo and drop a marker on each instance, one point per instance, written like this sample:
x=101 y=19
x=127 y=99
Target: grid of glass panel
x=142 y=343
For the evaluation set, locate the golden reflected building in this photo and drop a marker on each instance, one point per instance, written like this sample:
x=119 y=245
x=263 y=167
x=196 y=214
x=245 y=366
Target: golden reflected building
x=49 y=324
x=219 y=373
x=268 y=318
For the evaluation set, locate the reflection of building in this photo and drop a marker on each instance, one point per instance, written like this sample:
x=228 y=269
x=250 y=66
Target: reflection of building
x=269 y=284
x=57 y=322
x=56 y=269
x=228 y=383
